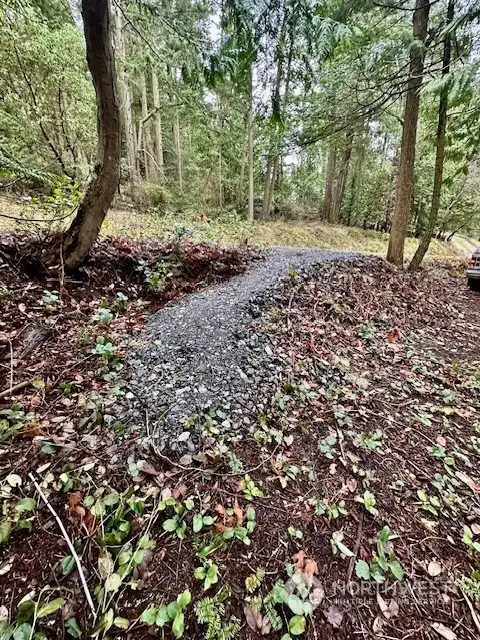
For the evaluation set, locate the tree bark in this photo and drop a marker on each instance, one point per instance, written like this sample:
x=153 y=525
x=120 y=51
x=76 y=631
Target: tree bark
x=329 y=184
x=84 y=230
x=125 y=95
x=339 y=190
x=404 y=190
x=146 y=141
x=440 y=151
x=158 y=128
x=178 y=150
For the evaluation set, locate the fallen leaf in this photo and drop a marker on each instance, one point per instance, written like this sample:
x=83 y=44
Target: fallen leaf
x=352 y=485
x=476 y=529
x=179 y=491
x=147 y=468
x=310 y=567
x=377 y=625
x=441 y=441
x=334 y=615
x=238 y=513
x=383 y=606
x=434 y=569
x=444 y=631
x=253 y=617
x=394 y=608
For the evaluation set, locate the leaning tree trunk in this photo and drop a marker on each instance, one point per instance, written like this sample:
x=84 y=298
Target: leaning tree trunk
x=84 y=230
x=403 y=196
x=440 y=153
x=146 y=138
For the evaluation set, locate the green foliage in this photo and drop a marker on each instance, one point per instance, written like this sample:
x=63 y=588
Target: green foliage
x=170 y=615
x=211 y=612
x=384 y=562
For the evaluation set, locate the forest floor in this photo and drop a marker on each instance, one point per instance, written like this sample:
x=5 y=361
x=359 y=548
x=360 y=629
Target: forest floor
x=344 y=503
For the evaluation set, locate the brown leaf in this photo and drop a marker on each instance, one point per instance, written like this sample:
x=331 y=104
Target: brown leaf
x=179 y=491
x=352 y=485
x=74 y=499
x=334 y=615
x=394 y=335
x=147 y=468
x=238 y=513
x=394 y=608
x=253 y=617
x=476 y=529
x=310 y=567
x=299 y=560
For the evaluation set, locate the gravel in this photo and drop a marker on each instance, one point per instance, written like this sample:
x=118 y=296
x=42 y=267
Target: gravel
x=203 y=351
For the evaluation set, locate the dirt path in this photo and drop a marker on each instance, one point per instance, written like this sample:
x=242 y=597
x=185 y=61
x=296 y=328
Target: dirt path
x=201 y=350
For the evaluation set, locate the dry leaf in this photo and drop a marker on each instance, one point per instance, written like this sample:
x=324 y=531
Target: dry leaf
x=179 y=491
x=434 y=569
x=238 y=513
x=253 y=617
x=383 y=606
x=334 y=615
x=299 y=560
x=444 y=631
x=394 y=335
x=441 y=441
x=310 y=567
x=147 y=468
x=394 y=608
x=476 y=529
x=377 y=625
x=352 y=485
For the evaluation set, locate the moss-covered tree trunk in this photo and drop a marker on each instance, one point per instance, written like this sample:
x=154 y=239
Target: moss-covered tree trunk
x=440 y=151
x=404 y=190
x=84 y=230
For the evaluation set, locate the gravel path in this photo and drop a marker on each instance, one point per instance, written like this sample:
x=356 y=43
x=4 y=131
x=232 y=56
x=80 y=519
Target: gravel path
x=203 y=350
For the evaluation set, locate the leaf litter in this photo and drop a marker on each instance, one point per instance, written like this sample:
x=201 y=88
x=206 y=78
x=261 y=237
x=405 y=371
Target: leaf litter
x=369 y=396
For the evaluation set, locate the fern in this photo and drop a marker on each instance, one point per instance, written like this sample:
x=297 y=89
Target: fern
x=210 y=612
x=253 y=581
x=11 y=165
x=272 y=614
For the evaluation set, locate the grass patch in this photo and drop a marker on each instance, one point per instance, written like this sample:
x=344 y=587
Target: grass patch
x=230 y=229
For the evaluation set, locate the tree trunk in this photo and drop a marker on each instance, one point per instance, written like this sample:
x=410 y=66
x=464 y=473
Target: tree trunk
x=250 y=214
x=403 y=196
x=342 y=178
x=329 y=184
x=440 y=151
x=125 y=95
x=84 y=230
x=146 y=141
x=178 y=150
x=158 y=128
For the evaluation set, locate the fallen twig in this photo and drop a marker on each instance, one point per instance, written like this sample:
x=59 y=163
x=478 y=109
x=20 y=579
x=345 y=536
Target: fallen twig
x=69 y=543
x=14 y=389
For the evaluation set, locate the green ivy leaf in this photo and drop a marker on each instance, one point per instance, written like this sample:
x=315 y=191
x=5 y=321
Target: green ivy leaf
x=170 y=525
x=295 y=604
x=23 y=632
x=397 y=569
x=121 y=623
x=26 y=504
x=184 y=599
x=362 y=570
x=149 y=615
x=178 y=626
x=47 y=608
x=197 y=523
x=297 y=625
